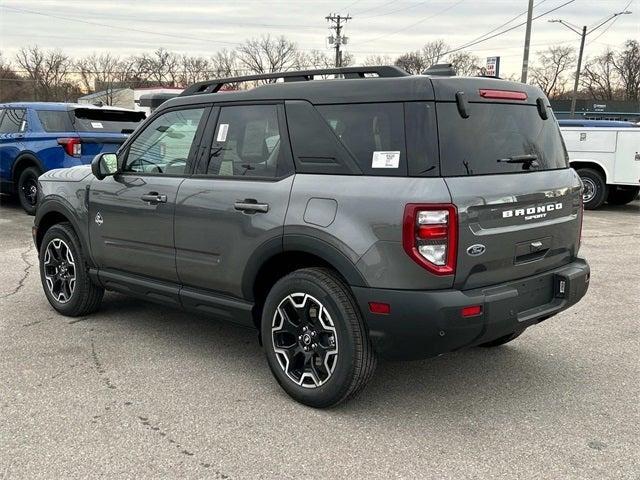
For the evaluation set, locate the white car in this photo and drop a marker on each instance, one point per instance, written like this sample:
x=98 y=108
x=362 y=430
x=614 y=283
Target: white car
x=607 y=158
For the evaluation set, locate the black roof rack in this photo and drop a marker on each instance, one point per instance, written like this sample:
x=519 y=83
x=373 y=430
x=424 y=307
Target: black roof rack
x=213 y=86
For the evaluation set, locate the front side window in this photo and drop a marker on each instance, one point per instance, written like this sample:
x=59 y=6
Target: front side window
x=164 y=145
x=13 y=121
x=247 y=142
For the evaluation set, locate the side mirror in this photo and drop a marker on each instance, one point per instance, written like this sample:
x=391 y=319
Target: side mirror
x=104 y=165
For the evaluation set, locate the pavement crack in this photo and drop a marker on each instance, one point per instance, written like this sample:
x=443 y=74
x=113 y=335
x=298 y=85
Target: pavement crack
x=99 y=367
x=181 y=448
x=25 y=273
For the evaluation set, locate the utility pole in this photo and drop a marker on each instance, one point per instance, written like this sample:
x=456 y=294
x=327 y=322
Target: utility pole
x=583 y=35
x=337 y=23
x=527 y=42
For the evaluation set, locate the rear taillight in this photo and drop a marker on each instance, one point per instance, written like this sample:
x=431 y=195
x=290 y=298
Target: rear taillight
x=581 y=220
x=502 y=94
x=73 y=146
x=430 y=236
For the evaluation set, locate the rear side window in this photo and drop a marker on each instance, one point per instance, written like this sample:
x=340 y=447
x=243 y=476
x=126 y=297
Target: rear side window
x=104 y=120
x=55 y=120
x=13 y=121
x=373 y=133
x=493 y=133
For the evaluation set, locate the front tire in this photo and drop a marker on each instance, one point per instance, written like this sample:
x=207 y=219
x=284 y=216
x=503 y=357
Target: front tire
x=315 y=340
x=64 y=275
x=28 y=189
x=622 y=195
x=595 y=189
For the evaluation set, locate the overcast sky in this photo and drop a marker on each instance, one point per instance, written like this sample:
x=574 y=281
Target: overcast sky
x=385 y=27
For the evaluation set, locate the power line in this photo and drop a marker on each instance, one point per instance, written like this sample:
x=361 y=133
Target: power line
x=385 y=4
x=396 y=10
x=471 y=44
x=428 y=17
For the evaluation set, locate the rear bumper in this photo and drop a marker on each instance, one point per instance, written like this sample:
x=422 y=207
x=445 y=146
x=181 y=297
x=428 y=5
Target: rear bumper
x=424 y=324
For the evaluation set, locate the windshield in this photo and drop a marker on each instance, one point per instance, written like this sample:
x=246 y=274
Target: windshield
x=498 y=138
x=117 y=121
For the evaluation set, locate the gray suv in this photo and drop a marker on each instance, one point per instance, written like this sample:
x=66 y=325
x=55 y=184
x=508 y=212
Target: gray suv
x=374 y=214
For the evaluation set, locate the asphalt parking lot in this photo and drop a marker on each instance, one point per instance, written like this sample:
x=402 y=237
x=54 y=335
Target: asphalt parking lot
x=141 y=391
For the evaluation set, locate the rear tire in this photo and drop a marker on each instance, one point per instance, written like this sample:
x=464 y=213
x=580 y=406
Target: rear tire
x=315 y=340
x=28 y=189
x=64 y=274
x=622 y=195
x=502 y=340
x=595 y=189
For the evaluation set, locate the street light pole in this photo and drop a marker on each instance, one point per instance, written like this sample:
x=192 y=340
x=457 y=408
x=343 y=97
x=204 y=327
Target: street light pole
x=583 y=35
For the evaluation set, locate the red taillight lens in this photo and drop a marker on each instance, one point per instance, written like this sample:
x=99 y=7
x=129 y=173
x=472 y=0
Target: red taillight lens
x=581 y=220
x=430 y=236
x=73 y=146
x=502 y=94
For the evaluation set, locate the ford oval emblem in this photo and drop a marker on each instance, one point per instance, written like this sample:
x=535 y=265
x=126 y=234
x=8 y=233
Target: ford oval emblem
x=476 y=250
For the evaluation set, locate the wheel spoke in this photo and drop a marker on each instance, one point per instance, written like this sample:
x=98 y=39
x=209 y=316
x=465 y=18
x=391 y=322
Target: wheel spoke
x=304 y=340
x=59 y=270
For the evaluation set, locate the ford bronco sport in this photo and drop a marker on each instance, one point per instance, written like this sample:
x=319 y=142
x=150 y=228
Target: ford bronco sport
x=376 y=214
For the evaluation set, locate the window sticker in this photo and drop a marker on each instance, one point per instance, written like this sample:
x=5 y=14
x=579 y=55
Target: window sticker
x=385 y=160
x=96 y=125
x=222 y=132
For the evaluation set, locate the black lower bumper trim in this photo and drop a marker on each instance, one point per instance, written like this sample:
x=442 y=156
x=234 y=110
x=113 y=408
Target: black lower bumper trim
x=424 y=324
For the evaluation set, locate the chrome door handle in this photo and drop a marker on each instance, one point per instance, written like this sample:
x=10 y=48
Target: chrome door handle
x=154 y=198
x=251 y=206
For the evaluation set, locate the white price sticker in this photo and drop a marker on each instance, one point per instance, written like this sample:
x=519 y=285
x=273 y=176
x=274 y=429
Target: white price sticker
x=222 y=132
x=96 y=125
x=385 y=160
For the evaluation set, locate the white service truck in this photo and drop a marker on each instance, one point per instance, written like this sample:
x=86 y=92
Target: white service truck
x=608 y=162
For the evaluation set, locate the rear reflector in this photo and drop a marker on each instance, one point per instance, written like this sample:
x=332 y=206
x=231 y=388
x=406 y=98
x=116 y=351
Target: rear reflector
x=379 y=308
x=503 y=94
x=472 y=311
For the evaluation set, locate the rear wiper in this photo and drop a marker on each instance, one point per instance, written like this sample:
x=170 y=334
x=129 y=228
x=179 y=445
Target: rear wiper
x=527 y=160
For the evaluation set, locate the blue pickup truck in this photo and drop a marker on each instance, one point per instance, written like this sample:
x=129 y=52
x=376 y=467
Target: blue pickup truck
x=40 y=136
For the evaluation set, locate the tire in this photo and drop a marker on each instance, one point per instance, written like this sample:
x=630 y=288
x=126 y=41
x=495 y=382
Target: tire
x=502 y=340
x=65 y=258
x=28 y=189
x=595 y=189
x=331 y=371
x=622 y=195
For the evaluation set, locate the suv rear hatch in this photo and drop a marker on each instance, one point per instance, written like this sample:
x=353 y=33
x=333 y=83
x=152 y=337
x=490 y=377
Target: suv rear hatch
x=506 y=167
x=103 y=130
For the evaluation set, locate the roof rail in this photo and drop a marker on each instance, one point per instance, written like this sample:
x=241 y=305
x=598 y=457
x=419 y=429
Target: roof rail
x=213 y=86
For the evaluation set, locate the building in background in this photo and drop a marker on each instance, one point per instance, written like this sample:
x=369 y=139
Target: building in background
x=129 y=97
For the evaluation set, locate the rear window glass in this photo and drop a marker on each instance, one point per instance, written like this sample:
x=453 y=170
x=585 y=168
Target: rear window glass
x=493 y=132
x=94 y=120
x=373 y=133
x=55 y=120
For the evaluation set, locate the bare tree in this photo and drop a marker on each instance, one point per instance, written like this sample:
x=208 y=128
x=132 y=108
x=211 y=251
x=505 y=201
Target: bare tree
x=374 y=60
x=552 y=70
x=599 y=77
x=627 y=65
x=267 y=55
x=433 y=52
x=465 y=64
x=193 y=69
x=412 y=62
x=161 y=68
x=48 y=71
x=12 y=86
x=101 y=73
